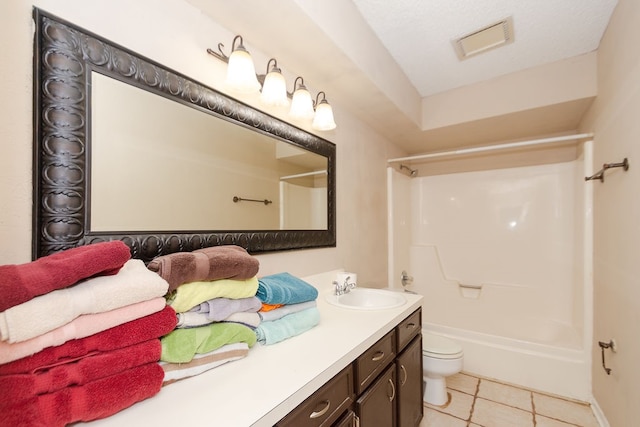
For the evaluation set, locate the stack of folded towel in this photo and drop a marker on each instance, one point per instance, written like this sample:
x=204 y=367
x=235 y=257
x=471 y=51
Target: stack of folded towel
x=76 y=328
x=213 y=292
x=289 y=307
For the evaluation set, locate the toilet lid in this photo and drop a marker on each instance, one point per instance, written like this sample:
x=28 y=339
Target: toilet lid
x=439 y=346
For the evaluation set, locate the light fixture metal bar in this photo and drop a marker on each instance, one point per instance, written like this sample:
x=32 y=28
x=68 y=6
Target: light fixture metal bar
x=221 y=55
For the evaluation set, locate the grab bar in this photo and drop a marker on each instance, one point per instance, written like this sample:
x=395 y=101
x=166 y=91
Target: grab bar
x=465 y=285
x=237 y=199
x=600 y=174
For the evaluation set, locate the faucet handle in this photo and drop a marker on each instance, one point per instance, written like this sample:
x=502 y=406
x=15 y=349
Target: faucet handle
x=338 y=288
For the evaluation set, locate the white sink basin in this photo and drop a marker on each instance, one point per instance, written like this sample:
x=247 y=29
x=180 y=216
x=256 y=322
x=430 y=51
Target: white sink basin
x=367 y=299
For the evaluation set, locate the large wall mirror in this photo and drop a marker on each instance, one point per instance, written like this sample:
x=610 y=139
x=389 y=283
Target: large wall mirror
x=127 y=149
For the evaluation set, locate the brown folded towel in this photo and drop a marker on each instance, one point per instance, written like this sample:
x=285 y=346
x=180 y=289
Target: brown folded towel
x=214 y=263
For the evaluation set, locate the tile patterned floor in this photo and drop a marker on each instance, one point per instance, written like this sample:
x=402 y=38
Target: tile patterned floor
x=481 y=402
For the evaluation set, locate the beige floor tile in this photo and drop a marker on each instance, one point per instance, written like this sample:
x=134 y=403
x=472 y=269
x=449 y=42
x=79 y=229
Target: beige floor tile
x=463 y=382
x=459 y=405
x=564 y=410
x=548 y=422
x=433 y=418
x=493 y=414
x=502 y=393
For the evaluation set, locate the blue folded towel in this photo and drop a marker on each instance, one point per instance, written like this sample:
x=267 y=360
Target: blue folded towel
x=283 y=288
x=288 y=326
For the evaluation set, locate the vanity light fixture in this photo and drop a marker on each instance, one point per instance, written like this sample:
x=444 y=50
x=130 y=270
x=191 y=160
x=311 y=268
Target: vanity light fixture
x=274 y=88
x=241 y=77
x=323 y=119
x=241 y=73
x=301 y=103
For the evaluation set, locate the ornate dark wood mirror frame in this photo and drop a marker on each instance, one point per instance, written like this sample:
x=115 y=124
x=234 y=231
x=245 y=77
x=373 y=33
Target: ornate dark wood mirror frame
x=64 y=58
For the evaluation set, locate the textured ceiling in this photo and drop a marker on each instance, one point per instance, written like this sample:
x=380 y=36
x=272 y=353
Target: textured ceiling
x=384 y=60
x=418 y=34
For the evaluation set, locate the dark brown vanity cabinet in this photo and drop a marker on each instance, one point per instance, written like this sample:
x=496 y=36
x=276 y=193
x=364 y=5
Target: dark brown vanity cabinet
x=393 y=398
x=381 y=388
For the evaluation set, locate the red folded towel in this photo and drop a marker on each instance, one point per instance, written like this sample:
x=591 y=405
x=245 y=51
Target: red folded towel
x=214 y=263
x=18 y=387
x=23 y=282
x=136 y=331
x=94 y=400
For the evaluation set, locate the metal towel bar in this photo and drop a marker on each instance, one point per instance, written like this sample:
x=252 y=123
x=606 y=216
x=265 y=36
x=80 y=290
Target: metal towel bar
x=237 y=199
x=610 y=345
x=600 y=174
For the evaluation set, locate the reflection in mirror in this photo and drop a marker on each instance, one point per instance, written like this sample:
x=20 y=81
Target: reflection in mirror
x=199 y=163
x=69 y=166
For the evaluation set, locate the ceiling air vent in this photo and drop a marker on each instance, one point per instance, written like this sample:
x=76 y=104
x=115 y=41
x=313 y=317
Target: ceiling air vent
x=495 y=35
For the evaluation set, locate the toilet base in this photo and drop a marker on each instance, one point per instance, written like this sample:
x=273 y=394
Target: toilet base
x=435 y=391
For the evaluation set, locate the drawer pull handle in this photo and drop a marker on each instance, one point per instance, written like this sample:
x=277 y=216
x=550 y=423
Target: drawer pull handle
x=378 y=356
x=404 y=374
x=318 y=414
x=393 y=390
x=411 y=325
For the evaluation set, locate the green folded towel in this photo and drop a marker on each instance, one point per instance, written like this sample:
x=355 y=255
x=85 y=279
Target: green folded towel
x=182 y=344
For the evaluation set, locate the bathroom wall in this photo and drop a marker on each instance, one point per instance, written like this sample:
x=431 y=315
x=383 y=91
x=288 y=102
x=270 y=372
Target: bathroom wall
x=614 y=117
x=177 y=35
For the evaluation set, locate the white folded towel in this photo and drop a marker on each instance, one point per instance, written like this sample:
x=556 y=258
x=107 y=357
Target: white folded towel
x=133 y=283
x=189 y=319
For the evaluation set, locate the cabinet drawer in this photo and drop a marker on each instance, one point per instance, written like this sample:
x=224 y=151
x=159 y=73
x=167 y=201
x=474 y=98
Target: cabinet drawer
x=408 y=329
x=325 y=405
x=374 y=361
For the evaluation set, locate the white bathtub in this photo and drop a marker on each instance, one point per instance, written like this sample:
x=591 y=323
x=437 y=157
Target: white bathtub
x=553 y=367
x=503 y=260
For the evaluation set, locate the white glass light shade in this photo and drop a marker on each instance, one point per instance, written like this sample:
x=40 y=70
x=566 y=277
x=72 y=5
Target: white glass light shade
x=323 y=120
x=274 y=90
x=301 y=104
x=241 y=73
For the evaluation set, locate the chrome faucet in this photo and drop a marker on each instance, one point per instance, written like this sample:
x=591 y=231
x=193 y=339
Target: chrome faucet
x=343 y=288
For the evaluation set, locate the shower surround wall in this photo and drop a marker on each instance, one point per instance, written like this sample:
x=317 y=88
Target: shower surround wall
x=499 y=256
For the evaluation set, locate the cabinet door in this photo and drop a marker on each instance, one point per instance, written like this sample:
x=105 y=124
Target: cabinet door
x=348 y=420
x=377 y=406
x=409 y=385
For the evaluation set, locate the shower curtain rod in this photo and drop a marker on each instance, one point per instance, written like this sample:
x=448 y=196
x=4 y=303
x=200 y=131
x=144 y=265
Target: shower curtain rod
x=301 y=175
x=493 y=147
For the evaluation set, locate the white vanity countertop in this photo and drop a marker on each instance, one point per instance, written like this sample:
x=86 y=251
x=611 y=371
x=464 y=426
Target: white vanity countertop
x=272 y=380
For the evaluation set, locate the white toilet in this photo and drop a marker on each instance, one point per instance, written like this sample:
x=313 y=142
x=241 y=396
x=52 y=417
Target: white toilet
x=441 y=357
